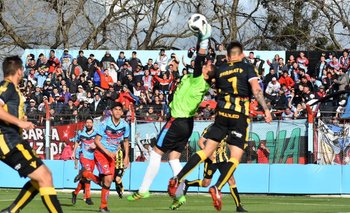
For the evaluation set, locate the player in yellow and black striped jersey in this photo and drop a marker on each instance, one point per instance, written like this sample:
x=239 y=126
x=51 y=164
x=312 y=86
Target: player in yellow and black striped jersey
x=14 y=151
x=211 y=165
x=119 y=172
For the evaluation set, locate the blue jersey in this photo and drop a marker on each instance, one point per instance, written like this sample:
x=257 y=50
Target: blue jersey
x=112 y=135
x=86 y=141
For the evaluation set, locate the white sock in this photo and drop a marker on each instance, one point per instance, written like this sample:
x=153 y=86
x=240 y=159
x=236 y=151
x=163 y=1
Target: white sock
x=151 y=172
x=175 y=166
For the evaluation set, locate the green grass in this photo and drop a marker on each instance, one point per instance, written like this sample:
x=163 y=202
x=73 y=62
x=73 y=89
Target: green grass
x=195 y=203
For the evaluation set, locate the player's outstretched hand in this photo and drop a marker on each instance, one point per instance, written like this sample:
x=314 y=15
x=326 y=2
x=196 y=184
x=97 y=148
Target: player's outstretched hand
x=205 y=32
x=26 y=125
x=268 y=116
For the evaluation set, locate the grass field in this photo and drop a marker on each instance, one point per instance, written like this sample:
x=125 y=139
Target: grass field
x=195 y=203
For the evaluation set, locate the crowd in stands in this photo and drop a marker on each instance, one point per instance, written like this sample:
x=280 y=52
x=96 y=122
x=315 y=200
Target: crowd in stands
x=80 y=86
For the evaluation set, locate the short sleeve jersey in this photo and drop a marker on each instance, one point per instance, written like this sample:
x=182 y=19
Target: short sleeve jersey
x=234 y=90
x=86 y=141
x=113 y=134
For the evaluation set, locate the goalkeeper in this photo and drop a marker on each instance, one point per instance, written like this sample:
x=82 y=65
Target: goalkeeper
x=177 y=130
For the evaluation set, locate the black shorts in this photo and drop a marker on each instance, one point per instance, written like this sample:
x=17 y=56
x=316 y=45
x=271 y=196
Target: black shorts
x=234 y=125
x=175 y=134
x=118 y=173
x=22 y=159
x=210 y=168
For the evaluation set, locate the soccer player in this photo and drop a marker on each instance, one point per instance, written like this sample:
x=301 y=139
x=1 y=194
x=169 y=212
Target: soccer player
x=119 y=172
x=215 y=162
x=177 y=130
x=14 y=151
x=85 y=138
x=110 y=134
x=236 y=81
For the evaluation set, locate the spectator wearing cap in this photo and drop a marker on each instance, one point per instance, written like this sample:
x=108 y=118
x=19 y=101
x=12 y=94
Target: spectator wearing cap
x=106 y=79
x=113 y=72
x=32 y=112
x=303 y=61
x=342 y=80
x=320 y=67
x=81 y=94
x=162 y=60
x=286 y=80
x=107 y=59
x=53 y=61
x=273 y=87
x=66 y=60
x=321 y=92
x=138 y=73
x=134 y=61
x=82 y=60
x=121 y=59
x=74 y=68
x=344 y=60
x=97 y=106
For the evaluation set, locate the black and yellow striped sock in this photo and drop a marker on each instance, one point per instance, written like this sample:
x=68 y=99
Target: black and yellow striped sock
x=49 y=197
x=197 y=182
x=227 y=172
x=235 y=195
x=191 y=164
x=28 y=192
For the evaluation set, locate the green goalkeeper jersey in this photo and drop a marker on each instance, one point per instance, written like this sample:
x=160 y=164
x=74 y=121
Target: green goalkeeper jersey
x=188 y=96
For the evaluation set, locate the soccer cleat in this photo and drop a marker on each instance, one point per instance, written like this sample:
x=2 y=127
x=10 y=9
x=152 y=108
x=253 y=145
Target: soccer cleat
x=74 y=198
x=89 y=201
x=120 y=190
x=172 y=186
x=181 y=189
x=138 y=196
x=216 y=196
x=105 y=209
x=240 y=209
x=177 y=203
x=8 y=210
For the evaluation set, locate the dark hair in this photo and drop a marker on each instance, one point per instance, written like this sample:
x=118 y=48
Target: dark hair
x=80 y=51
x=233 y=44
x=117 y=104
x=53 y=51
x=11 y=64
x=90 y=118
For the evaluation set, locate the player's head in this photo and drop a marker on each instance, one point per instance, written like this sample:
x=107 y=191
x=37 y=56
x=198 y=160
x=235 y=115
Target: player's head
x=117 y=110
x=234 y=51
x=208 y=70
x=89 y=123
x=13 y=67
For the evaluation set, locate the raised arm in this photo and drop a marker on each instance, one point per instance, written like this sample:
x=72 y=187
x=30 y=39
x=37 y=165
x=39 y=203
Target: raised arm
x=259 y=96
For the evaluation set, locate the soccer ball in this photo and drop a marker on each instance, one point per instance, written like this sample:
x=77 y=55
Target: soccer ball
x=197 y=23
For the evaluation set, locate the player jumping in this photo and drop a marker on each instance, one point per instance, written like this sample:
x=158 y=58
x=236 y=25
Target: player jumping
x=14 y=151
x=215 y=162
x=110 y=134
x=236 y=81
x=177 y=130
x=86 y=138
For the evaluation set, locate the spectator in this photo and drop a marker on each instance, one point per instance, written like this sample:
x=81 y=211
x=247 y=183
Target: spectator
x=83 y=111
x=107 y=60
x=97 y=106
x=82 y=61
x=251 y=58
x=74 y=68
x=273 y=87
x=164 y=82
x=207 y=112
x=220 y=57
x=151 y=115
x=321 y=67
x=286 y=80
x=162 y=60
x=90 y=68
x=188 y=67
x=41 y=76
x=58 y=105
x=302 y=61
x=290 y=63
x=344 y=60
x=268 y=78
x=53 y=63
x=134 y=61
x=147 y=80
x=287 y=114
x=343 y=80
x=106 y=79
x=295 y=72
x=263 y=153
x=73 y=84
x=66 y=60
x=32 y=112
x=113 y=72
x=81 y=94
x=94 y=60
x=66 y=94
x=334 y=64
x=259 y=63
x=174 y=60
x=341 y=108
x=121 y=60
x=138 y=73
x=321 y=92
x=274 y=64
